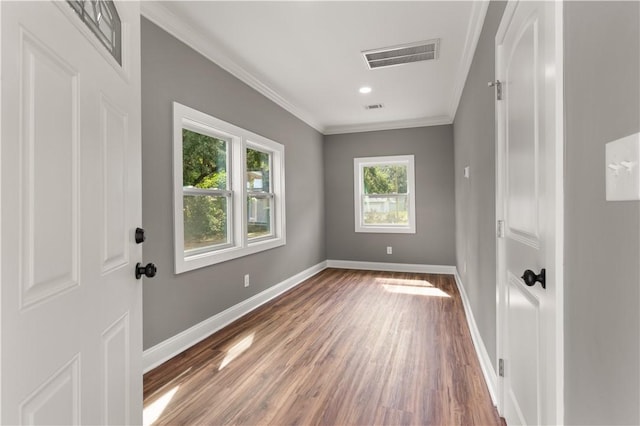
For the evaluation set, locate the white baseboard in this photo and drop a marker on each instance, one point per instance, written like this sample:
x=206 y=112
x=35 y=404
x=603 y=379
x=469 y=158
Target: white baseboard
x=171 y=347
x=488 y=370
x=393 y=267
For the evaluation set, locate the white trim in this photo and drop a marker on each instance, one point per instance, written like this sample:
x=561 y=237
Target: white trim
x=171 y=347
x=161 y=16
x=392 y=267
x=3 y=82
x=488 y=370
x=388 y=125
x=478 y=14
x=559 y=203
x=500 y=216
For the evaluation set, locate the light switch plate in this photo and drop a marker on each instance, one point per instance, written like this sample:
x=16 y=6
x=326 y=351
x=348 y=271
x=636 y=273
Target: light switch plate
x=623 y=168
x=466 y=172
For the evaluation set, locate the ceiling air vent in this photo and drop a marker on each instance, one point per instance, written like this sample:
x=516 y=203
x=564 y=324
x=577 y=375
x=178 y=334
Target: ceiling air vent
x=374 y=106
x=405 y=54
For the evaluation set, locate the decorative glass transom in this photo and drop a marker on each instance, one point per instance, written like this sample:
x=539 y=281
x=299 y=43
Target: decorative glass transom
x=102 y=19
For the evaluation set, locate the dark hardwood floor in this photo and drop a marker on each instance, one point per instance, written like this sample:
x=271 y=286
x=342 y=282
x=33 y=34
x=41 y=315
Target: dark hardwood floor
x=345 y=347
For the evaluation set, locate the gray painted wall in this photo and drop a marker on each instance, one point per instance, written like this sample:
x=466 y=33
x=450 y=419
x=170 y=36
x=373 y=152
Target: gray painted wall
x=173 y=71
x=602 y=249
x=433 y=242
x=474 y=139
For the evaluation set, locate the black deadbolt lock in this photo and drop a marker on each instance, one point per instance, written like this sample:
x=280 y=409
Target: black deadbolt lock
x=140 y=235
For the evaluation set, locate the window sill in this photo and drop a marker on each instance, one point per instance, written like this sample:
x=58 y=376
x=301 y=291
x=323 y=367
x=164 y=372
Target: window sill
x=202 y=260
x=385 y=230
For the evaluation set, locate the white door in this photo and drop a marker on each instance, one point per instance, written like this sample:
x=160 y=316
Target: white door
x=529 y=68
x=70 y=202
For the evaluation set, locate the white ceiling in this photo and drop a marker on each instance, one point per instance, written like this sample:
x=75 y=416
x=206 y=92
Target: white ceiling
x=306 y=55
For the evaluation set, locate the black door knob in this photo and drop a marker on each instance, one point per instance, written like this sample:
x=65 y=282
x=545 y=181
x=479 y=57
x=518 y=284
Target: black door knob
x=148 y=271
x=531 y=278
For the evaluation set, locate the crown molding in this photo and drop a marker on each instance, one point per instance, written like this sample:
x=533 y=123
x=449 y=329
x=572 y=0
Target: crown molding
x=167 y=20
x=478 y=13
x=388 y=125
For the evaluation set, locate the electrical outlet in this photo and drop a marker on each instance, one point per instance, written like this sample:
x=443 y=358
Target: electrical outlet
x=389 y=250
x=246 y=280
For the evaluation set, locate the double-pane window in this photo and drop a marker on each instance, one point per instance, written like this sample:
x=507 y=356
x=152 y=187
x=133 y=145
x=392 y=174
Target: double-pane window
x=228 y=191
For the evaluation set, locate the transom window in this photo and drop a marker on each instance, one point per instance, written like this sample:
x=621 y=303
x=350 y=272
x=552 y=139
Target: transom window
x=103 y=20
x=228 y=191
x=384 y=194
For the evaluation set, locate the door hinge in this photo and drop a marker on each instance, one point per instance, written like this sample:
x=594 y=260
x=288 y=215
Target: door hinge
x=501 y=367
x=498 y=85
x=500 y=230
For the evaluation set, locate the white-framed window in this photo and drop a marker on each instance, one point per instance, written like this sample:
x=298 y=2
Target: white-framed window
x=229 y=197
x=384 y=194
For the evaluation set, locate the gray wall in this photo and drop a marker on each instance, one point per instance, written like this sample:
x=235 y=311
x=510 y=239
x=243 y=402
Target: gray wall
x=474 y=139
x=602 y=249
x=433 y=242
x=172 y=71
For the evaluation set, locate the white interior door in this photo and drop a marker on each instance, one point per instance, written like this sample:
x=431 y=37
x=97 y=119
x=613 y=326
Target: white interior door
x=71 y=200
x=530 y=140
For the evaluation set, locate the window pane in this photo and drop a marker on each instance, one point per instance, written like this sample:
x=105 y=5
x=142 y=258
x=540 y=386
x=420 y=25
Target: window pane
x=385 y=179
x=103 y=20
x=205 y=221
x=385 y=210
x=258 y=217
x=258 y=171
x=204 y=161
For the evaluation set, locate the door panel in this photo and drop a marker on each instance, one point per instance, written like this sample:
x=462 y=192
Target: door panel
x=70 y=197
x=523 y=333
x=49 y=159
x=114 y=131
x=523 y=205
x=57 y=401
x=116 y=369
x=528 y=131
x=521 y=104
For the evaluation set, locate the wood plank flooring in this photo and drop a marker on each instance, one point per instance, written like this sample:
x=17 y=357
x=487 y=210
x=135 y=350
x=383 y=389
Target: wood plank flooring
x=345 y=347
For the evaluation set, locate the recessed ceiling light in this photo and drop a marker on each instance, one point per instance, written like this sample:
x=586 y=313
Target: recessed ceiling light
x=365 y=89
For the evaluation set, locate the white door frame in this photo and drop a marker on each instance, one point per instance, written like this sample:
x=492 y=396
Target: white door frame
x=556 y=76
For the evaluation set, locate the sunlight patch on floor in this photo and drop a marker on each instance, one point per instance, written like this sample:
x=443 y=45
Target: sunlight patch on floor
x=237 y=350
x=415 y=291
x=153 y=412
x=404 y=281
